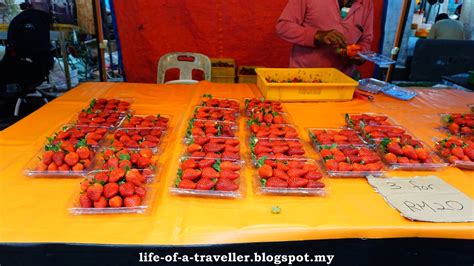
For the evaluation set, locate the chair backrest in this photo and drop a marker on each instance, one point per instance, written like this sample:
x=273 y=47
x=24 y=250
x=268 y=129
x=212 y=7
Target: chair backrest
x=185 y=62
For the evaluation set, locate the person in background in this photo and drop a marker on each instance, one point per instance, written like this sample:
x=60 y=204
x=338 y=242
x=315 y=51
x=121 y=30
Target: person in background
x=458 y=11
x=317 y=28
x=446 y=29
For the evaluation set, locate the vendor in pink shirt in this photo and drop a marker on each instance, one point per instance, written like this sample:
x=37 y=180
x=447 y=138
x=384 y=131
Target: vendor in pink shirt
x=318 y=27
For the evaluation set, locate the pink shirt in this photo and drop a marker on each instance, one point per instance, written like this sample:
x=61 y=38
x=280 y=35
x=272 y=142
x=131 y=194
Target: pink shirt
x=301 y=19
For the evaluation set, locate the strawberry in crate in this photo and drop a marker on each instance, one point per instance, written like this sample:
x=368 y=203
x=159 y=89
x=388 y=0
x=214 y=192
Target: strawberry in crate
x=214 y=113
x=341 y=136
x=66 y=157
x=73 y=134
x=133 y=138
x=276 y=148
x=142 y=159
x=350 y=160
x=201 y=128
x=210 y=101
x=109 y=105
x=255 y=104
x=459 y=124
x=457 y=150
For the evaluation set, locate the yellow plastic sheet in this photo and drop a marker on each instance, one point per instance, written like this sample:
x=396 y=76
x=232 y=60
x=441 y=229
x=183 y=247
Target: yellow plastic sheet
x=35 y=209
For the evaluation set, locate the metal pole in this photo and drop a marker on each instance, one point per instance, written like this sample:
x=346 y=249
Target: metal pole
x=100 y=39
x=399 y=37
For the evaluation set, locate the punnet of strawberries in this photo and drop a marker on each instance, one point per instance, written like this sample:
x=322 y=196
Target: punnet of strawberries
x=405 y=151
x=459 y=124
x=209 y=100
x=255 y=104
x=276 y=148
x=133 y=138
x=338 y=136
x=215 y=113
x=73 y=134
x=263 y=130
x=145 y=121
x=208 y=174
x=357 y=120
x=350 y=159
x=201 y=128
x=267 y=116
x=113 y=189
x=214 y=147
x=64 y=156
x=293 y=174
x=109 y=105
x=380 y=132
x=456 y=149
x=113 y=158
x=98 y=118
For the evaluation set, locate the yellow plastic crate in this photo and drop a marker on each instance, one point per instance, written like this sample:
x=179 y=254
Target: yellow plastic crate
x=334 y=86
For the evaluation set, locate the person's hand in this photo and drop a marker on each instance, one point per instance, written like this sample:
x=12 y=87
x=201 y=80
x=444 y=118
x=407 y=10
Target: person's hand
x=357 y=60
x=330 y=37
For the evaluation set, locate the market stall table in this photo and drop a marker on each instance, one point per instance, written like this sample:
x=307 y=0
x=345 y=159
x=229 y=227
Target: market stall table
x=34 y=210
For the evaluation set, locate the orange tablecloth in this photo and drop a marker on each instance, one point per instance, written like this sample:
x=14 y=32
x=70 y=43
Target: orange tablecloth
x=35 y=209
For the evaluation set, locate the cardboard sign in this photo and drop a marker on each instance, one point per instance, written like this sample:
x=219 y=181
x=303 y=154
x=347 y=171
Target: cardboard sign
x=425 y=198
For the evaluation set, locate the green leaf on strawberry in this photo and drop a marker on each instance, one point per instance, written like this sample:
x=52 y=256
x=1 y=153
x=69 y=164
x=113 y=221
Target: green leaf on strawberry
x=263 y=182
x=124 y=157
x=217 y=165
x=276 y=209
x=261 y=162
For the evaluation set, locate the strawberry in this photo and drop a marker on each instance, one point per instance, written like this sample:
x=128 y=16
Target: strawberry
x=140 y=191
x=206 y=163
x=83 y=152
x=345 y=167
x=315 y=184
x=294 y=172
x=297 y=182
x=259 y=149
x=295 y=151
x=209 y=172
x=132 y=201
x=212 y=147
x=410 y=152
x=276 y=182
x=84 y=201
x=375 y=166
x=110 y=190
x=84 y=185
x=94 y=192
x=101 y=203
x=265 y=171
x=282 y=166
x=78 y=167
x=453 y=128
x=64 y=167
x=127 y=189
x=280 y=174
x=194 y=147
x=112 y=163
x=390 y=158
x=356 y=167
x=394 y=148
x=224 y=184
x=331 y=165
x=205 y=184
x=458 y=152
x=52 y=167
x=280 y=149
x=313 y=175
x=101 y=177
x=229 y=174
x=134 y=176
x=469 y=151
x=189 y=164
x=191 y=174
x=403 y=160
x=143 y=162
x=187 y=184
x=226 y=165
x=422 y=153
x=116 y=202
x=58 y=158
x=325 y=153
x=116 y=174
x=48 y=157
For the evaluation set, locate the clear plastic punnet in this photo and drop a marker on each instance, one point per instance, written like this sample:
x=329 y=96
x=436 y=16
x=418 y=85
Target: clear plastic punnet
x=146 y=121
x=135 y=138
x=112 y=192
x=210 y=101
x=355 y=121
x=225 y=148
x=351 y=161
x=340 y=136
x=377 y=59
x=458 y=151
x=409 y=154
x=274 y=131
x=276 y=148
x=302 y=177
x=208 y=177
x=215 y=114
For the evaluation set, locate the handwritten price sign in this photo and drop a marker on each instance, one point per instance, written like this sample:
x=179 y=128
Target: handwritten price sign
x=426 y=198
